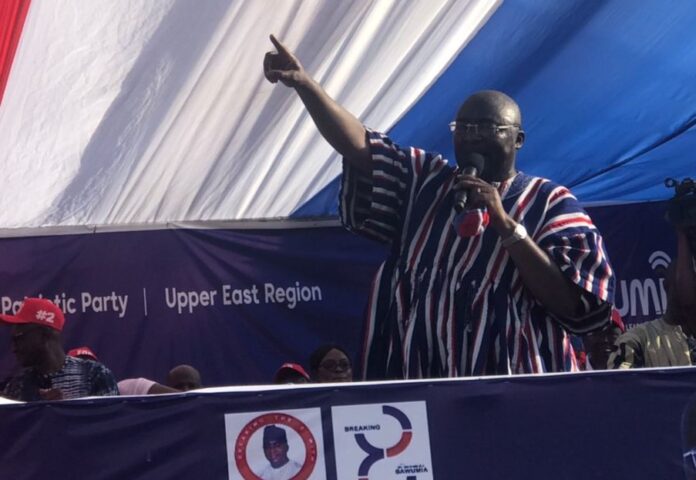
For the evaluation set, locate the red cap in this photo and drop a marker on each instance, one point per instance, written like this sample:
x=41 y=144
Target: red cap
x=39 y=311
x=83 y=352
x=295 y=367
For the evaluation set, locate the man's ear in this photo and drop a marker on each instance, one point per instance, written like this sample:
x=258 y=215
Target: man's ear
x=519 y=141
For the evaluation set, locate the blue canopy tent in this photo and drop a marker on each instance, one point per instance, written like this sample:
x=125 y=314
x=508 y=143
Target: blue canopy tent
x=605 y=88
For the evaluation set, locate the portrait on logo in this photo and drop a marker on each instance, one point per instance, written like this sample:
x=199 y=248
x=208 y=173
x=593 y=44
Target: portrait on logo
x=382 y=441
x=275 y=445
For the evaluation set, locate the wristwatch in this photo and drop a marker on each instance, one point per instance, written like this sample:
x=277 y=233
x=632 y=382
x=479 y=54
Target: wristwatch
x=519 y=233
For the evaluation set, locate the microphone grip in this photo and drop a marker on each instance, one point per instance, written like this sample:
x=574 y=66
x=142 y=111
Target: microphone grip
x=461 y=196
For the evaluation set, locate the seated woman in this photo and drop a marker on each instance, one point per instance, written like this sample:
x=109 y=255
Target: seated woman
x=330 y=363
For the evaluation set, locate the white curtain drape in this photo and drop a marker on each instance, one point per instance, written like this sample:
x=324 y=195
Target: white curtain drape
x=144 y=111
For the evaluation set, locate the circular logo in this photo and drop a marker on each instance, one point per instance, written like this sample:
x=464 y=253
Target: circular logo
x=275 y=418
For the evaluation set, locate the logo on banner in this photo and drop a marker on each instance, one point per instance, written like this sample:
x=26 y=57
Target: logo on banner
x=275 y=445
x=380 y=441
x=641 y=299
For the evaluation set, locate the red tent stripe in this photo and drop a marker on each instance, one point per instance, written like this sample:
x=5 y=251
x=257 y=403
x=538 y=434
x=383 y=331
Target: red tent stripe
x=12 y=16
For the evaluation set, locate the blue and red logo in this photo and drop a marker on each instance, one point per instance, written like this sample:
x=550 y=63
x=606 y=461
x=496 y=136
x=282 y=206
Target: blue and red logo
x=375 y=454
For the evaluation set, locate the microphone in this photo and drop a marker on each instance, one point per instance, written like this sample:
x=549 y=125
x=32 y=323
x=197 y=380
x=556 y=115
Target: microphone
x=473 y=164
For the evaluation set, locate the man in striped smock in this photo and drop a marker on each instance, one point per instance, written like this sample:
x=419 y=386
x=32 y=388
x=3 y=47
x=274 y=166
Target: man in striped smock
x=48 y=373
x=451 y=300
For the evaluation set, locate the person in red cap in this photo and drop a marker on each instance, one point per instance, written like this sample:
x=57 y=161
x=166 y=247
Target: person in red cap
x=291 y=373
x=47 y=372
x=85 y=353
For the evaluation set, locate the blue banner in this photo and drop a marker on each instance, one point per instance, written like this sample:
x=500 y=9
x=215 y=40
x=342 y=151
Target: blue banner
x=238 y=303
x=235 y=304
x=641 y=244
x=595 y=425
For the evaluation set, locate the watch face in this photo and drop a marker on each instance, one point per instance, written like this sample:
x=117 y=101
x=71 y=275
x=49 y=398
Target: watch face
x=520 y=233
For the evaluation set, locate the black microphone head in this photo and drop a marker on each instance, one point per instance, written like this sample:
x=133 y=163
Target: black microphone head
x=475 y=160
x=472 y=165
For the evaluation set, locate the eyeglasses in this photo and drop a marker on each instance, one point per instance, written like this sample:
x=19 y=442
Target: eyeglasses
x=332 y=364
x=489 y=130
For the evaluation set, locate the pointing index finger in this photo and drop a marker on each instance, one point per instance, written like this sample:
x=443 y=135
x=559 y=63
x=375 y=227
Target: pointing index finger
x=279 y=46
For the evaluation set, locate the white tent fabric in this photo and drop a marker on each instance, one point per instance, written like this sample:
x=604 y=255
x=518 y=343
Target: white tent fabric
x=142 y=112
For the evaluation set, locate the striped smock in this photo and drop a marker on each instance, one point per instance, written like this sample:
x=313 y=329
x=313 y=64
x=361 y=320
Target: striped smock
x=78 y=378
x=443 y=305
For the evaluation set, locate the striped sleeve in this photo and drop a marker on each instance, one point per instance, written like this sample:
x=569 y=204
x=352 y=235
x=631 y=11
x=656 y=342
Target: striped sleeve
x=572 y=241
x=375 y=205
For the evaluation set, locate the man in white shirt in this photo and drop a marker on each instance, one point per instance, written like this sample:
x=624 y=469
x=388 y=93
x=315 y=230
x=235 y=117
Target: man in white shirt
x=275 y=448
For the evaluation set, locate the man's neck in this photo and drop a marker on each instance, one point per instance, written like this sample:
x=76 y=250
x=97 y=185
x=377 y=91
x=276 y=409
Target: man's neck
x=499 y=176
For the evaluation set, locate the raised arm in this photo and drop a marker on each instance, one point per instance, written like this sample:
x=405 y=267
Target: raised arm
x=340 y=128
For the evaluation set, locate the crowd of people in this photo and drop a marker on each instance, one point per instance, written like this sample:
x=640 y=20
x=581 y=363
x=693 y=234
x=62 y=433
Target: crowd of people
x=490 y=270
x=48 y=372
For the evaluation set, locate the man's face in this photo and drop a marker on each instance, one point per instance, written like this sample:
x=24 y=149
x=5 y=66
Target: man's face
x=290 y=377
x=600 y=345
x=186 y=384
x=184 y=378
x=488 y=125
x=276 y=452
x=28 y=344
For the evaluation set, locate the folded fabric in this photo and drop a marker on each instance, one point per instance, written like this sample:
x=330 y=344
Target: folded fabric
x=469 y=223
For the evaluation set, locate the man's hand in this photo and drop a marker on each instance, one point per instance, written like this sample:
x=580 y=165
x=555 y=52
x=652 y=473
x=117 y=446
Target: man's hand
x=483 y=194
x=539 y=273
x=283 y=66
x=339 y=127
x=51 y=393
